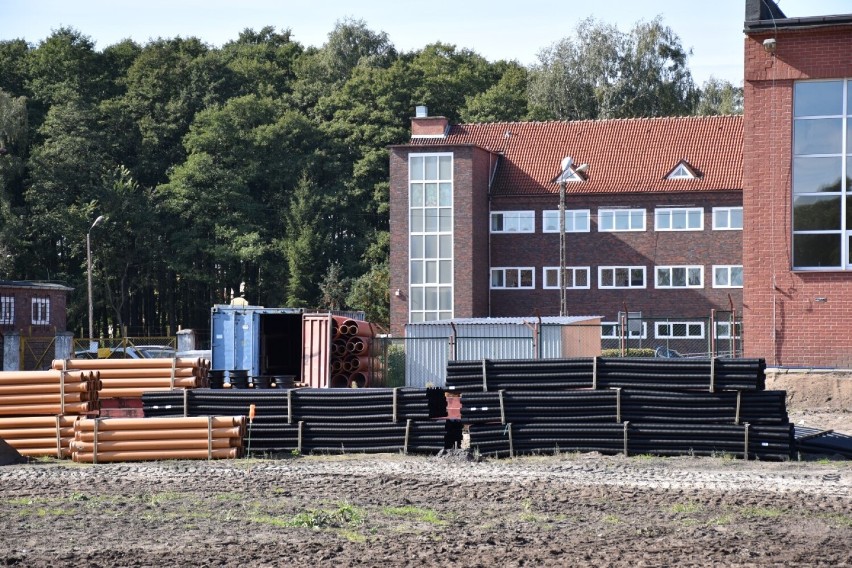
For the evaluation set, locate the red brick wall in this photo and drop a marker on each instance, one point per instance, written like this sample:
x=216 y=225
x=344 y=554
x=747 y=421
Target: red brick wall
x=782 y=320
x=649 y=248
x=23 y=311
x=471 y=167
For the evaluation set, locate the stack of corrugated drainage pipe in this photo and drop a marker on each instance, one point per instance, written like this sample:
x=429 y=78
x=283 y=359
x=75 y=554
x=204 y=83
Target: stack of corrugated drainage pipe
x=38 y=408
x=131 y=377
x=103 y=440
x=325 y=420
x=351 y=361
x=630 y=406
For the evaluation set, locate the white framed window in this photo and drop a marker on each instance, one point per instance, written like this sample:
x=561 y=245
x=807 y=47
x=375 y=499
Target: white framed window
x=727 y=218
x=513 y=221
x=576 y=277
x=723 y=330
x=41 y=311
x=621 y=277
x=635 y=330
x=822 y=165
x=518 y=278
x=679 y=277
x=615 y=220
x=679 y=330
x=681 y=172
x=728 y=276
x=7 y=310
x=576 y=221
x=430 y=290
x=679 y=219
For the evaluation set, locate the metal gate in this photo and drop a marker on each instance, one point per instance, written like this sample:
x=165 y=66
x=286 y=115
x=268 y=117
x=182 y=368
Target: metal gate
x=37 y=353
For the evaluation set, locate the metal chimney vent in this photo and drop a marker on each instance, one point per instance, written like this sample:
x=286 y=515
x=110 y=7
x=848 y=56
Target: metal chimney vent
x=421 y=111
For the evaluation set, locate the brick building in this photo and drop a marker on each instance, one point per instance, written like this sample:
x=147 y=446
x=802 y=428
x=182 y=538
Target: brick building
x=797 y=179
x=653 y=219
x=32 y=309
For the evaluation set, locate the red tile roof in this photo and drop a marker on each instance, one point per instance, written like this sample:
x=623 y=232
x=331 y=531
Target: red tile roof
x=624 y=155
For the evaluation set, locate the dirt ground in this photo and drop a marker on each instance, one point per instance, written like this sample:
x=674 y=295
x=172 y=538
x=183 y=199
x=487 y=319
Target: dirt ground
x=394 y=510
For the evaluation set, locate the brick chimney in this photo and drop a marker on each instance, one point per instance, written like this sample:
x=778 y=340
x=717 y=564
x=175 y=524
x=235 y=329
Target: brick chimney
x=425 y=126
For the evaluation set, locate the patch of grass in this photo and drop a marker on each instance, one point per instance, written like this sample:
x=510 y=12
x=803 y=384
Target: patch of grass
x=156 y=499
x=761 y=512
x=612 y=519
x=528 y=515
x=229 y=496
x=351 y=535
x=722 y=520
x=345 y=516
x=838 y=518
x=685 y=508
x=417 y=513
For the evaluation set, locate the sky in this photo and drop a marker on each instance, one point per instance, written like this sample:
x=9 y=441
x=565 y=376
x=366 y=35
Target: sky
x=494 y=29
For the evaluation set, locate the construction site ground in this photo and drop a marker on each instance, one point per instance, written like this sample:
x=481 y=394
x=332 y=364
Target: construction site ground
x=453 y=510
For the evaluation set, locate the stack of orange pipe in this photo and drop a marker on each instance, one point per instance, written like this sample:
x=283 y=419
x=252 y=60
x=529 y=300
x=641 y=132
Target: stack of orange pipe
x=37 y=436
x=350 y=359
x=39 y=393
x=132 y=377
x=148 y=439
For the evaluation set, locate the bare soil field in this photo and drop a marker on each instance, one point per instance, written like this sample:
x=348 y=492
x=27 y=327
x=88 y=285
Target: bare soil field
x=394 y=510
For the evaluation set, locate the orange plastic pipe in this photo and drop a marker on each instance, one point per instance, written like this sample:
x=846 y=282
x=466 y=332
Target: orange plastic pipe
x=42 y=452
x=186 y=382
x=88 y=457
x=109 y=424
x=362 y=328
x=359 y=379
x=36 y=421
x=151 y=373
x=356 y=345
x=46 y=442
x=98 y=364
x=50 y=398
x=153 y=445
x=164 y=434
x=45 y=388
x=41 y=377
x=40 y=409
x=130 y=392
x=13 y=433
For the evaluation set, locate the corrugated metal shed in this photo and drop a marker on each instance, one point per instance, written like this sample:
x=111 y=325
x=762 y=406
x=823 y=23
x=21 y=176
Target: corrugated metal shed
x=429 y=345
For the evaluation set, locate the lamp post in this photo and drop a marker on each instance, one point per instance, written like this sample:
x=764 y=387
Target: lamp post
x=89 y=272
x=562 y=180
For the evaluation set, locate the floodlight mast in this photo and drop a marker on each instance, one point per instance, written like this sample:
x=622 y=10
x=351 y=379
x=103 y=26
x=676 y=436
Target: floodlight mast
x=567 y=161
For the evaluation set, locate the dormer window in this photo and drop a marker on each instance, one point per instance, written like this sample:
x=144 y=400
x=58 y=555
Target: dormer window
x=683 y=170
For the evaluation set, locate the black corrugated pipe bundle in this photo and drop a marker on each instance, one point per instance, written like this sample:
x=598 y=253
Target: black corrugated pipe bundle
x=519 y=374
x=754 y=407
x=412 y=436
x=818 y=442
x=516 y=439
x=318 y=405
x=681 y=374
x=607 y=372
x=540 y=406
x=761 y=442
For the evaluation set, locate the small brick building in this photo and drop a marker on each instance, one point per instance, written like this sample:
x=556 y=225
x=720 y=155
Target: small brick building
x=653 y=219
x=797 y=183
x=33 y=309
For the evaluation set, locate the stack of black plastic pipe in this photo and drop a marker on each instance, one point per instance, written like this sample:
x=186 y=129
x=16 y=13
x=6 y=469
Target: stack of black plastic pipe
x=631 y=406
x=606 y=372
x=326 y=420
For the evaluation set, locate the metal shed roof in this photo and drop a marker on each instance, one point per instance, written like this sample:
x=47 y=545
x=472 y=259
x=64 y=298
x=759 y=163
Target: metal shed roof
x=557 y=320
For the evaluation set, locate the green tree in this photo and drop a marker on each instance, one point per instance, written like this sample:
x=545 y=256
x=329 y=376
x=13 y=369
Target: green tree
x=306 y=245
x=605 y=73
x=505 y=101
x=263 y=62
x=719 y=97
x=371 y=293
x=334 y=288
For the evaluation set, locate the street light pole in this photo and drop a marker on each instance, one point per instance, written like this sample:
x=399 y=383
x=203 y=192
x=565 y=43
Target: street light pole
x=89 y=272
x=562 y=180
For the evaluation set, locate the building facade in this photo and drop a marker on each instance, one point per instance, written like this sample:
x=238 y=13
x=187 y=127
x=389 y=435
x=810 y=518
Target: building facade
x=797 y=183
x=32 y=309
x=653 y=220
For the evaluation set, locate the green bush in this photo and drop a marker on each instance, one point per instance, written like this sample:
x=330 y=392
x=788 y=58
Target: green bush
x=630 y=352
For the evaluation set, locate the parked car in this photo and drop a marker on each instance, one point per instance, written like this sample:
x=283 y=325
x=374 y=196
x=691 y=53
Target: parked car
x=666 y=353
x=129 y=352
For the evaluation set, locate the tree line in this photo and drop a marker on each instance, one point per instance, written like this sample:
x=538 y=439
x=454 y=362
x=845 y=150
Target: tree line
x=261 y=166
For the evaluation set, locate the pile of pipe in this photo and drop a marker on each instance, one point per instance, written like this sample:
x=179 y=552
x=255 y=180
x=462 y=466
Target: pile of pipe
x=631 y=406
x=619 y=405
x=38 y=408
x=131 y=377
x=818 y=442
x=606 y=372
x=103 y=440
x=351 y=361
x=324 y=420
